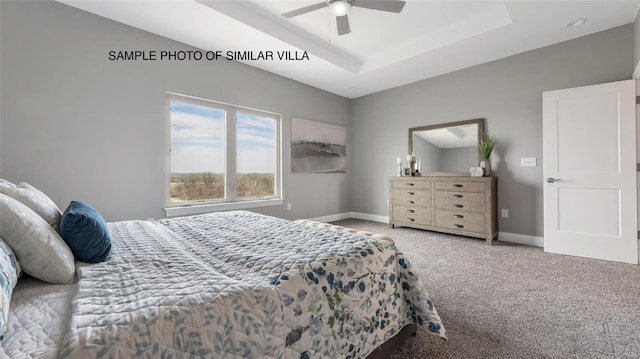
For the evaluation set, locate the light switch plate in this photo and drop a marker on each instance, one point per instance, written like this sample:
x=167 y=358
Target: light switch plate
x=528 y=162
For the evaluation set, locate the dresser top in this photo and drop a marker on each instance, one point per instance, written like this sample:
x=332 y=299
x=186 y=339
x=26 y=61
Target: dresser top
x=444 y=178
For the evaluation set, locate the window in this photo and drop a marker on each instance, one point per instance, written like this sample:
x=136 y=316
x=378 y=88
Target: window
x=221 y=155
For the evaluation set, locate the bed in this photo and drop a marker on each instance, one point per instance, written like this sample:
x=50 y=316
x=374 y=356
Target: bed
x=224 y=285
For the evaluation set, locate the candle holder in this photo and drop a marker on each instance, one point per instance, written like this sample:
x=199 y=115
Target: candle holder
x=400 y=169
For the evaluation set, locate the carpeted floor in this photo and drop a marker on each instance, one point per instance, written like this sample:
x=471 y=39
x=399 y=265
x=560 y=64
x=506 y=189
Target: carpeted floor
x=514 y=301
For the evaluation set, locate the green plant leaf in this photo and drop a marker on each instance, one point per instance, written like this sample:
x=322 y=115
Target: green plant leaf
x=487 y=143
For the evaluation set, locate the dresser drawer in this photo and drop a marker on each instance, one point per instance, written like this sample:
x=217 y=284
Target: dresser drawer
x=411 y=196
x=461 y=186
x=411 y=184
x=413 y=214
x=463 y=201
x=462 y=221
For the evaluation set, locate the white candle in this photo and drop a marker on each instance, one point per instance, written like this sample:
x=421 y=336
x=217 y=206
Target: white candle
x=409 y=158
x=399 y=160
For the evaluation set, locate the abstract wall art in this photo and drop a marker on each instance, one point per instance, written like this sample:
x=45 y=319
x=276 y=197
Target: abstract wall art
x=318 y=147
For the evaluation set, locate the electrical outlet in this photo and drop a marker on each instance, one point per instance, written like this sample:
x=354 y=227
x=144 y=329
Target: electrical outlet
x=505 y=213
x=288 y=206
x=528 y=162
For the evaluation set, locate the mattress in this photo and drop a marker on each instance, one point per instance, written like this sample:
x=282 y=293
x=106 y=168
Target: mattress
x=38 y=319
x=230 y=284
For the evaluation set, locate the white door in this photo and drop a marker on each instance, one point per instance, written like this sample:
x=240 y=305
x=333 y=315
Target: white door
x=589 y=149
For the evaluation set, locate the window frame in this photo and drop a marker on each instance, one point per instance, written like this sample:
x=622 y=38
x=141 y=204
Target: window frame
x=230 y=201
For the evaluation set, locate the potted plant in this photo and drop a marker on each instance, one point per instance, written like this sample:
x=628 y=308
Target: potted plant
x=487 y=143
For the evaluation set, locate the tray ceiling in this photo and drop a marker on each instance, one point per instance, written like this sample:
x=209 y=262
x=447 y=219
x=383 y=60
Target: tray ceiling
x=383 y=50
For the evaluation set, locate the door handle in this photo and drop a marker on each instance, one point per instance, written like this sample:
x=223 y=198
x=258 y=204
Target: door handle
x=551 y=179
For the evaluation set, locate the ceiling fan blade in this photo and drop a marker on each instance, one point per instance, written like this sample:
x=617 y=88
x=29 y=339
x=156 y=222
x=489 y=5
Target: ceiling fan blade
x=382 y=5
x=343 y=24
x=305 y=9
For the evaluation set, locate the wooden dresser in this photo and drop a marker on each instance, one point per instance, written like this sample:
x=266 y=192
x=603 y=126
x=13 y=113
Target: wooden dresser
x=461 y=205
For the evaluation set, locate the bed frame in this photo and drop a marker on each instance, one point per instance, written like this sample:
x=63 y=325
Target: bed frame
x=390 y=346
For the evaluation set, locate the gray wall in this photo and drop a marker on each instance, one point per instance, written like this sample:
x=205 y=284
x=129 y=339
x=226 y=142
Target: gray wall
x=636 y=39
x=81 y=127
x=78 y=126
x=508 y=93
x=0 y=92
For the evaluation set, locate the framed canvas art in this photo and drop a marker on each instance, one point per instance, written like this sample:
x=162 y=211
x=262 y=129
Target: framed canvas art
x=318 y=147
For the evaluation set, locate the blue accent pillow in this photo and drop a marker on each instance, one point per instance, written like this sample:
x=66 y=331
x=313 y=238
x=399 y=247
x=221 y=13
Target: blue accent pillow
x=86 y=233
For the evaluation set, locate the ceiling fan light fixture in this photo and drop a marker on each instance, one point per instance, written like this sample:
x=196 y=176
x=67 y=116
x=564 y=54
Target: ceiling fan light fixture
x=340 y=7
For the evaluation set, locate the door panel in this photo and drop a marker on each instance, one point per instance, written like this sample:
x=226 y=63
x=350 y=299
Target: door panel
x=589 y=147
x=589 y=211
x=583 y=144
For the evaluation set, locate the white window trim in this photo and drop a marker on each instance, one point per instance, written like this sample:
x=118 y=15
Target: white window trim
x=229 y=202
x=227 y=206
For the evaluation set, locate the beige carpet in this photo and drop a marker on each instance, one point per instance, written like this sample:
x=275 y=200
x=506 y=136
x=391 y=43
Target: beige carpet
x=513 y=301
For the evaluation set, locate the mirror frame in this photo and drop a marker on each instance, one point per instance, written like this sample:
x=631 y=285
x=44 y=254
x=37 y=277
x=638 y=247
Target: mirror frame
x=478 y=121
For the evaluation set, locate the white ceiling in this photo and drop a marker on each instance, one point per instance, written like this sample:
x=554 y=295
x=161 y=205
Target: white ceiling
x=383 y=50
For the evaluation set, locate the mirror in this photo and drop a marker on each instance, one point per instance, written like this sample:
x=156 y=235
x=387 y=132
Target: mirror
x=448 y=147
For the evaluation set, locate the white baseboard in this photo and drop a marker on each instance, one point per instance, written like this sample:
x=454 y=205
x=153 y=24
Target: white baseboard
x=502 y=236
x=332 y=217
x=370 y=217
x=521 y=239
x=355 y=215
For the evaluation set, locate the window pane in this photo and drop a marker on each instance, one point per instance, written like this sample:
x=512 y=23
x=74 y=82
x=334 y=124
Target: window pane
x=197 y=152
x=256 y=156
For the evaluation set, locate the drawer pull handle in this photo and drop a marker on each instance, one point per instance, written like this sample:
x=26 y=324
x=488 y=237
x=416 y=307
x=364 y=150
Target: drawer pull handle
x=411 y=211
x=411 y=202
x=458 y=206
x=457 y=185
x=458 y=226
x=457 y=196
x=458 y=216
x=410 y=193
x=411 y=220
x=410 y=184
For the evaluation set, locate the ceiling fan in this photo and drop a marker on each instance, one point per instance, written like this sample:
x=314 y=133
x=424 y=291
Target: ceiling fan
x=340 y=8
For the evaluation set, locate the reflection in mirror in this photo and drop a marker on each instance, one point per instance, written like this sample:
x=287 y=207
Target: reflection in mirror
x=447 y=147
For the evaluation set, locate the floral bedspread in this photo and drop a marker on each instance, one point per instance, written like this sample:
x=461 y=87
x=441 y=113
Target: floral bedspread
x=243 y=285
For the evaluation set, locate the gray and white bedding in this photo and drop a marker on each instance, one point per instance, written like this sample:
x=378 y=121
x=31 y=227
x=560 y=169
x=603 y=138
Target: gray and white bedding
x=242 y=285
x=38 y=320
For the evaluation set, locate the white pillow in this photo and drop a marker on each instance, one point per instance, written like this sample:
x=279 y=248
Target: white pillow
x=10 y=271
x=4 y=183
x=40 y=250
x=36 y=200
